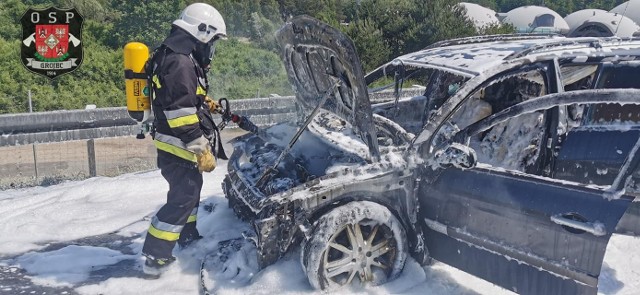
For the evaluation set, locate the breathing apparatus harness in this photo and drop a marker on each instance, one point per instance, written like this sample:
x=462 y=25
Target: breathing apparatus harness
x=210 y=129
x=142 y=80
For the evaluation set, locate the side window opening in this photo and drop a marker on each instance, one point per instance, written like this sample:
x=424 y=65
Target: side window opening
x=598 y=136
x=616 y=76
x=594 y=152
x=473 y=110
x=515 y=144
x=599 y=140
x=613 y=114
x=515 y=89
x=619 y=76
x=577 y=77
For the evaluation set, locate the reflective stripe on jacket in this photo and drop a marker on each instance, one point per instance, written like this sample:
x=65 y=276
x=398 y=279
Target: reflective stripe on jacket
x=174 y=146
x=193 y=216
x=180 y=86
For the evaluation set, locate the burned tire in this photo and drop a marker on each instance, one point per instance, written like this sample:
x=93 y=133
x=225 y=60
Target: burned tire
x=360 y=241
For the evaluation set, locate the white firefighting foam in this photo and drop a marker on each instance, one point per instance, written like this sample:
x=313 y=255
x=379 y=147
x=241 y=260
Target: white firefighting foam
x=32 y=218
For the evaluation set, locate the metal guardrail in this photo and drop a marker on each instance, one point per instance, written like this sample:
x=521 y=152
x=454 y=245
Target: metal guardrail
x=58 y=126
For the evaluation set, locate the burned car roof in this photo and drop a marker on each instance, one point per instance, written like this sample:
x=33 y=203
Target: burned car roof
x=476 y=55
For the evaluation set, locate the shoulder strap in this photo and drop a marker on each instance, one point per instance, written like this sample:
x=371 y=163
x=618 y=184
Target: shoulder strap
x=152 y=67
x=157 y=55
x=202 y=76
x=215 y=140
x=155 y=60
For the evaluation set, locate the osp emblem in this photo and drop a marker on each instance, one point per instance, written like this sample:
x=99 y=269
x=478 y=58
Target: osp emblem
x=51 y=41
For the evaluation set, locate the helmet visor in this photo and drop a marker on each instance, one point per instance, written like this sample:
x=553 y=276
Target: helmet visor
x=210 y=49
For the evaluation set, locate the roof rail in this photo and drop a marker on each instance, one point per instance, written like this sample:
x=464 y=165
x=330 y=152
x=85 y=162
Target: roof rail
x=543 y=46
x=489 y=38
x=594 y=42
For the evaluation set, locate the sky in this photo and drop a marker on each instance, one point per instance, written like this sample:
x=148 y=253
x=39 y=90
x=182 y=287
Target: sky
x=85 y=237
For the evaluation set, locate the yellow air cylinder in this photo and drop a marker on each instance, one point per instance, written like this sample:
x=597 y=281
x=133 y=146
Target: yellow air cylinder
x=135 y=57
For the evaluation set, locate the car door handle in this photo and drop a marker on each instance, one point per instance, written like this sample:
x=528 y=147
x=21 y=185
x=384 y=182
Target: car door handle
x=577 y=222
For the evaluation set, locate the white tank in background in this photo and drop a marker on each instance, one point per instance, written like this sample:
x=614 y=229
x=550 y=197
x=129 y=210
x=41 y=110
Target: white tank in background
x=481 y=16
x=577 y=18
x=600 y=23
x=536 y=19
x=630 y=9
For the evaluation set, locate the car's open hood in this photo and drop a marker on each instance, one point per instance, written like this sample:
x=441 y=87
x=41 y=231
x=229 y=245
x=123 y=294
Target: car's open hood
x=317 y=56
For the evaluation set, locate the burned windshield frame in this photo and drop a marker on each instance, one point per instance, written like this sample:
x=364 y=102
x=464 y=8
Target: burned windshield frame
x=396 y=76
x=442 y=85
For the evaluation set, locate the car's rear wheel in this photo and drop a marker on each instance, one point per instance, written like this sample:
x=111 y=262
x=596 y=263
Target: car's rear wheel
x=357 y=242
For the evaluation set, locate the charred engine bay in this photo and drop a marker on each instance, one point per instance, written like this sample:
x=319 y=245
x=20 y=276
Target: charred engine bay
x=311 y=157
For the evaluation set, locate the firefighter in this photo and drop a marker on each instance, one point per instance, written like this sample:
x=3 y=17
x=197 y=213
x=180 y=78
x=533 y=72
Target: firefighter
x=183 y=128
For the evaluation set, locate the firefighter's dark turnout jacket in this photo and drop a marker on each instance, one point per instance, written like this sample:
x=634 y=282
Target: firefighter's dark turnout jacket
x=179 y=87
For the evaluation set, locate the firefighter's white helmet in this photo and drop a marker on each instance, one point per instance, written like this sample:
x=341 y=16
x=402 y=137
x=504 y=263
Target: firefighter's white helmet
x=202 y=21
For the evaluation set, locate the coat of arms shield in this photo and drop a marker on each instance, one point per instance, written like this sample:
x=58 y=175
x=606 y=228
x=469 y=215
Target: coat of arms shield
x=51 y=41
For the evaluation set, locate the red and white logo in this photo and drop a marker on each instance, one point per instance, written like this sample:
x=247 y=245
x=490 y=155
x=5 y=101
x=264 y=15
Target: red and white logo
x=51 y=44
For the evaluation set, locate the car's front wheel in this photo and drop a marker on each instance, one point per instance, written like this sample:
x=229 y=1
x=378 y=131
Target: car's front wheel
x=357 y=242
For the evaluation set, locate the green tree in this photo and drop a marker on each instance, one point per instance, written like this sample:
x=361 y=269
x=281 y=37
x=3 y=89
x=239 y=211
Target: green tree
x=95 y=10
x=329 y=11
x=10 y=13
x=369 y=41
x=409 y=25
x=144 y=21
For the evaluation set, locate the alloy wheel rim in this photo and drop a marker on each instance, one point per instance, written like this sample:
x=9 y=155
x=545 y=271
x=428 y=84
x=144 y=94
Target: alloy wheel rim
x=366 y=252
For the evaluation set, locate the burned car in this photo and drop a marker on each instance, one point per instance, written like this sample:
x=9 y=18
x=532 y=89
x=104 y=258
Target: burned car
x=515 y=160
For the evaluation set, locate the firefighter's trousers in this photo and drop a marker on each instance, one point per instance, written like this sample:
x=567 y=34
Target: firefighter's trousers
x=176 y=220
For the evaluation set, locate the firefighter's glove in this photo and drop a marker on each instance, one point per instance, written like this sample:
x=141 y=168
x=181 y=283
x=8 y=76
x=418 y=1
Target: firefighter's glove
x=206 y=161
x=214 y=107
x=198 y=145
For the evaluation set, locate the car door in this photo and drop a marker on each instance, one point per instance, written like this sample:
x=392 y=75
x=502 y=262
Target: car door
x=528 y=233
x=600 y=144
